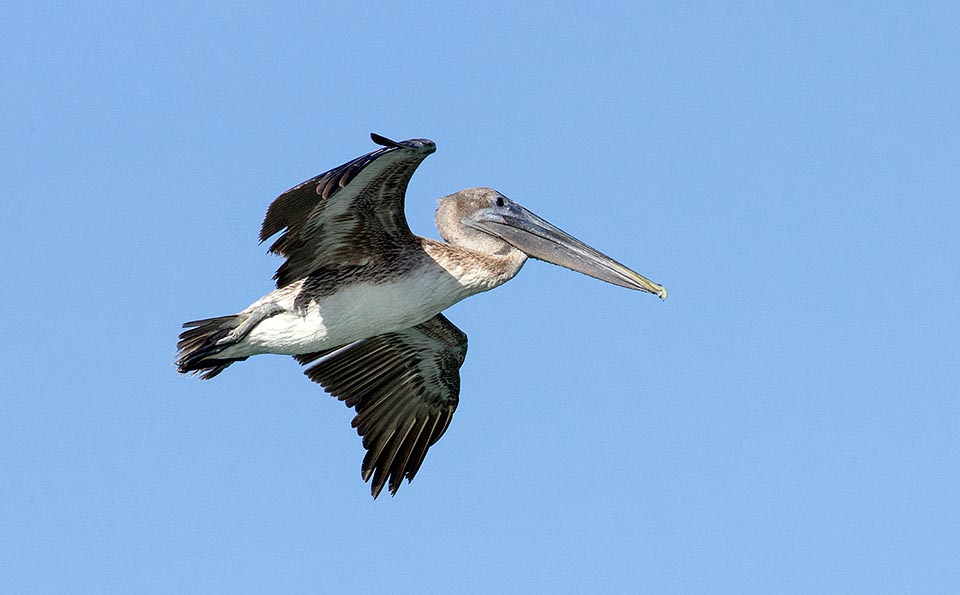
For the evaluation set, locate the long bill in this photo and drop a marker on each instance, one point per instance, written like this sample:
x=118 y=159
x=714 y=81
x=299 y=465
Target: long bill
x=541 y=240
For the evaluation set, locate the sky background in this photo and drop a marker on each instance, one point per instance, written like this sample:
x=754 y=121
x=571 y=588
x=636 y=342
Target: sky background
x=785 y=422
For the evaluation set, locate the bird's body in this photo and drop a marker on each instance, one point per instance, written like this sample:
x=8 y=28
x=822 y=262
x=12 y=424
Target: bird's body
x=430 y=280
x=359 y=297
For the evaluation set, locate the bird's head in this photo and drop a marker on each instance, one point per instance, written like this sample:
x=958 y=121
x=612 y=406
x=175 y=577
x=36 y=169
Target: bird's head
x=486 y=221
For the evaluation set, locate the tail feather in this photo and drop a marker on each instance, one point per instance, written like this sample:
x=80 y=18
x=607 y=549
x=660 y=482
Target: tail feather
x=202 y=341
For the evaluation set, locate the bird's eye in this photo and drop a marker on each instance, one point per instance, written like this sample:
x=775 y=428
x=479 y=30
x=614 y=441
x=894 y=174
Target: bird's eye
x=499 y=201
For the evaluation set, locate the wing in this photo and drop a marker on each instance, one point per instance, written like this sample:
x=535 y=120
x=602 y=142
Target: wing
x=348 y=215
x=404 y=387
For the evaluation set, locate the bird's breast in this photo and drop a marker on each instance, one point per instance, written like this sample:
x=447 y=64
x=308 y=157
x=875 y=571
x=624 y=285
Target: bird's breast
x=356 y=310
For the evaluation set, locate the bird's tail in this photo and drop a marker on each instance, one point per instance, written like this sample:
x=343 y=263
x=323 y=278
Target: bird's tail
x=199 y=345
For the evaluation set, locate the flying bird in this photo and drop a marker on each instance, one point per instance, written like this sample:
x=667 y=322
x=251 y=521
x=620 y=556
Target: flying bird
x=359 y=297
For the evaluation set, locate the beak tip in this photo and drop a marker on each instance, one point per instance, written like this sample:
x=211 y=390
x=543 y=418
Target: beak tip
x=644 y=284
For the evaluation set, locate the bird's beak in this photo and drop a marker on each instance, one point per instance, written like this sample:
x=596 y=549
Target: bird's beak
x=541 y=240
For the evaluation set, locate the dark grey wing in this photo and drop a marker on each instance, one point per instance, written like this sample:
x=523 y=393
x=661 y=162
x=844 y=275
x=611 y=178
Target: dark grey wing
x=404 y=387
x=348 y=215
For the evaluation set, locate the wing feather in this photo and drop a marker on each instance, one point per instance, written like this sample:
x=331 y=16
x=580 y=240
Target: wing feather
x=348 y=215
x=404 y=387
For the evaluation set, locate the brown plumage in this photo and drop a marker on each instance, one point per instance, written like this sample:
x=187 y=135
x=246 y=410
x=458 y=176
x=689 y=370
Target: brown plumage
x=359 y=297
x=404 y=387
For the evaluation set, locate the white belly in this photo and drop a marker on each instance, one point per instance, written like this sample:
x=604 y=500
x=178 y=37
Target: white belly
x=353 y=312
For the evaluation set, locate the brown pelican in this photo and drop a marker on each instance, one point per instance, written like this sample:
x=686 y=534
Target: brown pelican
x=359 y=297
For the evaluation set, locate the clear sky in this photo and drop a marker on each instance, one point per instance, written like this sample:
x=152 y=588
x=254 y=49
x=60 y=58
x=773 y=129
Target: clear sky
x=785 y=422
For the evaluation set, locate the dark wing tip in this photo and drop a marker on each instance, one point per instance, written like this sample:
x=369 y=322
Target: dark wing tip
x=418 y=144
x=384 y=141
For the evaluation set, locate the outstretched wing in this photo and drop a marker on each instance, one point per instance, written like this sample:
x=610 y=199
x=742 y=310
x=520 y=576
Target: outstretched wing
x=404 y=387
x=348 y=215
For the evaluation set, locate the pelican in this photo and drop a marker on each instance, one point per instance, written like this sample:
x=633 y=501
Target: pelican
x=359 y=297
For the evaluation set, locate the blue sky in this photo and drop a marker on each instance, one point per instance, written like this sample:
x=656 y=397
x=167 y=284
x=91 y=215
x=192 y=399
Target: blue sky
x=786 y=422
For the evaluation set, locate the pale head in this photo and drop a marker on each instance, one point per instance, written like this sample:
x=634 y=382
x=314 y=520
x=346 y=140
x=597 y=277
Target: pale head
x=455 y=208
x=488 y=222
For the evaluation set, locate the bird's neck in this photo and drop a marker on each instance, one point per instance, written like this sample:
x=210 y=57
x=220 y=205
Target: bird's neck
x=475 y=271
